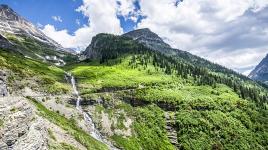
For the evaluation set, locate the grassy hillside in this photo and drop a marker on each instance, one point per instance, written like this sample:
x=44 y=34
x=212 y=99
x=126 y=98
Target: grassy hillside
x=32 y=73
x=170 y=101
x=37 y=50
x=205 y=116
x=70 y=126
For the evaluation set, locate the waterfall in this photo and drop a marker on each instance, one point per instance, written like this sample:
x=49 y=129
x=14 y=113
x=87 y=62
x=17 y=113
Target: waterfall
x=93 y=131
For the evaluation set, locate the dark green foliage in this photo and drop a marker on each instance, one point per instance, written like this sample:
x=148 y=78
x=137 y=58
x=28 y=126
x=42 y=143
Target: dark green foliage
x=150 y=131
x=205 y=73
x=215 y=107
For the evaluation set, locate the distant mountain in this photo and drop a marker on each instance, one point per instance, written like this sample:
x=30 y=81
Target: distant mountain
x=140 y=69
x=260 y=73
x=148 y=38
x=21 y=36
x=152 y=41
x=13 y=23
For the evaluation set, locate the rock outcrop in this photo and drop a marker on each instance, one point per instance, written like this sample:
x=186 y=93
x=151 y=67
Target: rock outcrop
x=171 y=129
x=13 y=23
x=260 y=73
x=3 y=85
x=21 y=128
x=4 y=43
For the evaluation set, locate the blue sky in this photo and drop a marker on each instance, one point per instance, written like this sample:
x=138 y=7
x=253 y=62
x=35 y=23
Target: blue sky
x=231 y=33
x=41 y=12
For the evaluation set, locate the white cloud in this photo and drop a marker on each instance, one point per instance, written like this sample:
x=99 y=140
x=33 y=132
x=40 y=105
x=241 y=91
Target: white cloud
x=102 y=18
x=39 y=25
x=127 y=9
x=57 y=18
x=77 y=21
x=231 y=33
x=226 y=32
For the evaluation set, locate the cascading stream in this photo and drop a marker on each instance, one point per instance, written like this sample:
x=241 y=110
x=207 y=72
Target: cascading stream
x=93 y=131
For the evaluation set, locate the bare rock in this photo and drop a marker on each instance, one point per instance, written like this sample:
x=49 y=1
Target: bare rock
x=3 y=85
x=22 y=128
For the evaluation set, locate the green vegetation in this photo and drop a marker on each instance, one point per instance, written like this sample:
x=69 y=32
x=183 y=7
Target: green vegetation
x=61 y=146
x=51 y=134
x=70 y=126
x=212 y=107
x=50 y=77
x=13 y=109
x=1 y=122
x=33 y=48
x=150 y=130
x=209 y=114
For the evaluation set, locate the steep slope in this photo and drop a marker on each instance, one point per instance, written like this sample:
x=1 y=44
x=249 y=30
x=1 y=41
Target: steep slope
x=4 y=43
x=260 y=73
x=34 y=107
x=28 y=40
x=145 y=99
x=150 y=39
x=13 y=23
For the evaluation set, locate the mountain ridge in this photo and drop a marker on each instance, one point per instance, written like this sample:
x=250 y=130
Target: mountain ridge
x=20 y=35
x=13 y=23
x=153 y=42
x=260 y=72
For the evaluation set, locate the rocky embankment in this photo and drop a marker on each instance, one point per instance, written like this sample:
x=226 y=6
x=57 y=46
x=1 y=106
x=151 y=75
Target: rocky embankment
x=21 y=128
x=3 y=85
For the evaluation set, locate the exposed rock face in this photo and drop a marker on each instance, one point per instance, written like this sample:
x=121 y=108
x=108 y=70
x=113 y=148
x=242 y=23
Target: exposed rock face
x=260 y=73
x=147 y=37
x=151 y=40
x=4 y=43
x=13 y=23
x=21 y=128
x=3 y=86
x=171 y=129
x=91 y=51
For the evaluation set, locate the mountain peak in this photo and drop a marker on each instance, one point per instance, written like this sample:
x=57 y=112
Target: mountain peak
x=8 y=13
x=261 y=71
x=4 y=6
x=148 y=38
x=142 y=33
x=13 y=23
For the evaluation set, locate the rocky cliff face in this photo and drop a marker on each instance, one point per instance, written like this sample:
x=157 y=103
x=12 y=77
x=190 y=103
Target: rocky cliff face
x=4 y=43
x=13 y=23
x=21 y=128
x=260 y=73
x=143 y=36
x=3 y=86
x=151 y=40
x=90 y=51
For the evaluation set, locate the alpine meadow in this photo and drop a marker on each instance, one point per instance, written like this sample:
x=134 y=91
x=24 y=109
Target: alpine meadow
x=109 y=74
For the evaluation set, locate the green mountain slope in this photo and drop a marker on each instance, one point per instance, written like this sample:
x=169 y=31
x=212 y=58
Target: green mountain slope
x=48 y=79
x=172 y=103
x=35 y=49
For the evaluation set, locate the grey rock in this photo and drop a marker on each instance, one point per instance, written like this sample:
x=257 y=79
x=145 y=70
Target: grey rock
x=3 y=146
x=13 y=23
x=151 y=40
x=22 y=129
x=4 y=43
x=90 y=51
x=260 y=73
x=3 y=85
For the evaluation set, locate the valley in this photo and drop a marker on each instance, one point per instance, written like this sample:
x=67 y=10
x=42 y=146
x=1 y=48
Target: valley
x=130 y=91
